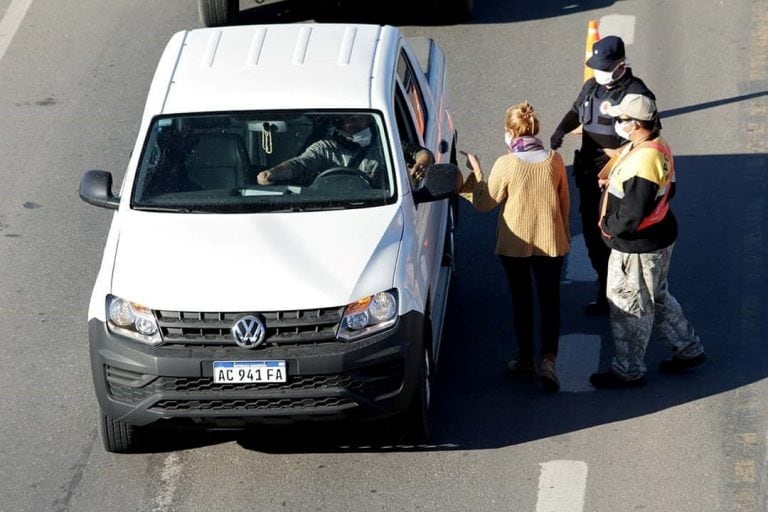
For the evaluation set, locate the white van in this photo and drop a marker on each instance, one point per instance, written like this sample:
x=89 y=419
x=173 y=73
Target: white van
x=222 y=301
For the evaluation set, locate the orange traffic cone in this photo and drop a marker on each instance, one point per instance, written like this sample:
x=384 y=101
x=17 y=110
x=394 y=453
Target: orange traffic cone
x=592 y=37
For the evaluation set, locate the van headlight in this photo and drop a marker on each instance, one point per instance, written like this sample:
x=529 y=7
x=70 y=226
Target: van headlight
x=369 y=315
x=132 y=320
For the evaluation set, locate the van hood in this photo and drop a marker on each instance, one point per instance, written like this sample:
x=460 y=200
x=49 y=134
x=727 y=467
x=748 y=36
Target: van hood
x=256 y=262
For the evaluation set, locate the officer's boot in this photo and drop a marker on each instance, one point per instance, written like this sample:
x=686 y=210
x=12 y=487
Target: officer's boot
x=600 y=305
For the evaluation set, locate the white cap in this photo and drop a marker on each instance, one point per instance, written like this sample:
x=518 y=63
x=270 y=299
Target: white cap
x=635 y=106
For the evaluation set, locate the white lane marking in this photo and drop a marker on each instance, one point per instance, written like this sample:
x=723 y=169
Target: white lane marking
x=562 y=486
x=578 y=267
x=169 y=483
x=11 y=21
x=622 y=25
x=578 y=357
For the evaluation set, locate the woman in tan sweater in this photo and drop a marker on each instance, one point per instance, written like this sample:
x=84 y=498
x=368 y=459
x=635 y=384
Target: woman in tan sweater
x=531 y=185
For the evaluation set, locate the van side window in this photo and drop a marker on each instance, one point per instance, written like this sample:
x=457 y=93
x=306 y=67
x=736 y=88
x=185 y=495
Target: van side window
x=405 y=126
x=413 y=93
x=408 y=133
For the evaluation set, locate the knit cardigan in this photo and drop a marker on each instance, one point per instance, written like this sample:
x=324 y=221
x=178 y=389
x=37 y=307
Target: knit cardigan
x=535 y=200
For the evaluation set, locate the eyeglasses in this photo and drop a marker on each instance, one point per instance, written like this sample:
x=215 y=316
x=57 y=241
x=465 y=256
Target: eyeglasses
x=624 y=119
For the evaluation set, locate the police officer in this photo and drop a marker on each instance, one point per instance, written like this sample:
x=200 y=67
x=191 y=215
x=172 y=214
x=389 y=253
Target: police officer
x=612 y=80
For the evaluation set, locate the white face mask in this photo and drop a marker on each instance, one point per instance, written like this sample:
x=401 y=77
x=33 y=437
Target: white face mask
x=618 y=127
x=362 y=138
x=603 y=77
x=608 y=77
x=508 y=139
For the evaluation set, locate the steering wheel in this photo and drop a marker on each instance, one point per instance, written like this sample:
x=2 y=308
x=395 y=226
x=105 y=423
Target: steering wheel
x=344 y=171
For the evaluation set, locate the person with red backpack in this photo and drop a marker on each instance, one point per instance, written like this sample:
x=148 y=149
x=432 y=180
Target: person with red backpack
x=640 y=229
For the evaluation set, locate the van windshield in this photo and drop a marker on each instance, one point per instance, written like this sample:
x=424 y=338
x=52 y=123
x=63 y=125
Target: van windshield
x=264 y=161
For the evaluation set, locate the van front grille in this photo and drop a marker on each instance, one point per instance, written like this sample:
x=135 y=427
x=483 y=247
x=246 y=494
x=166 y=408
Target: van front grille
x=206 y=329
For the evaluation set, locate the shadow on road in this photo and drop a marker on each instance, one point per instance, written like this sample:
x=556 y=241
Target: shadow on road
x=710 y=104
x=717 y=274
x=403 y=12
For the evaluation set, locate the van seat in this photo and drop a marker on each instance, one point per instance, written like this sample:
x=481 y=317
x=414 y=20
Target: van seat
x=218 y=160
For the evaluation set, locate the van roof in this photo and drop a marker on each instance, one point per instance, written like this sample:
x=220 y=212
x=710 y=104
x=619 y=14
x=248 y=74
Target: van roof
x=296 y=65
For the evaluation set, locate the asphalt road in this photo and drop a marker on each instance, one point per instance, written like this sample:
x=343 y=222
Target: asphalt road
x=73 y=79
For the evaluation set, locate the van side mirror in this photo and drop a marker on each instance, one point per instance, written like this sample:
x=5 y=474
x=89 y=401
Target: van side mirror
x=96 y=189
x=440 y=181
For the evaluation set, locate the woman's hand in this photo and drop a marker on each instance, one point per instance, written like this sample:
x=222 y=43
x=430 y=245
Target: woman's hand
x=473 y=163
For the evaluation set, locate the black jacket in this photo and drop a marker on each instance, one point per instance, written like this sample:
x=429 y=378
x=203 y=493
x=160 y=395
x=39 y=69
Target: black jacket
x=632 y=194
x=598 y=131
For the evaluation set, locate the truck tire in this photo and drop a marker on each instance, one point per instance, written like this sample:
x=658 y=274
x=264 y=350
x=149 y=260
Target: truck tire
x=216 y=13
x=414 y=425
x=117 y=436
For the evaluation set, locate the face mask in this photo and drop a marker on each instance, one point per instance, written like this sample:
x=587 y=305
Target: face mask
x=618 y=127
x=508 y=139
x=603 y=77
x=362 y=138
x=608 y=77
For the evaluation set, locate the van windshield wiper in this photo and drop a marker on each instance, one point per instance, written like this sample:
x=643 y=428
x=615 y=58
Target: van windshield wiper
x=173 y=209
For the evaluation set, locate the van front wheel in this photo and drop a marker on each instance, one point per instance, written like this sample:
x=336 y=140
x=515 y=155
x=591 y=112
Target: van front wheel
x=414 y=425
x=118 y=436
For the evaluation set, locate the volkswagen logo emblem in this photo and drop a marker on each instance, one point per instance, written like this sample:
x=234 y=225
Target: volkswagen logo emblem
x=249 y=331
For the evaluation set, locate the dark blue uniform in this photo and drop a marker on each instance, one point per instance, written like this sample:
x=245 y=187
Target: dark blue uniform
x=589 y=111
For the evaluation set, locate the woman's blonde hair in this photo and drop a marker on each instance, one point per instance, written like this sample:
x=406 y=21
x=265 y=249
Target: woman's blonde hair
x=521 y=119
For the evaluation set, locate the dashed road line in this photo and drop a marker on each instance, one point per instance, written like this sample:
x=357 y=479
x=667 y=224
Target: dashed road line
x=745 y=430
x=578 y=357
x=11 y=21
x=562 y=486
x=169 y=483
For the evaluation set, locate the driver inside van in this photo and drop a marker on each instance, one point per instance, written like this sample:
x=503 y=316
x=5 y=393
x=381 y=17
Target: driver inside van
x=351 y=143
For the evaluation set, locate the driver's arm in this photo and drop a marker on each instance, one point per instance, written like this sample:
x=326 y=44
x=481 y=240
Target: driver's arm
x=281 y=173
x=301 y=169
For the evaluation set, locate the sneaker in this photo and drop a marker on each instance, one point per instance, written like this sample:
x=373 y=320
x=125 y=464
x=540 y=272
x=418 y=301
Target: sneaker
x=547 y=376
x=597 y=308
x=678 y=365
x=610 y=380
x=522 y=367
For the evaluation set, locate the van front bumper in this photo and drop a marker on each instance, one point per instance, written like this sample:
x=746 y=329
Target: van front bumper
x=370 y=378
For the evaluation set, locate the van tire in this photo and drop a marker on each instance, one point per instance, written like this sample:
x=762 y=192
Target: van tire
x=217 y=13
x=414 y=425
x=118 y=436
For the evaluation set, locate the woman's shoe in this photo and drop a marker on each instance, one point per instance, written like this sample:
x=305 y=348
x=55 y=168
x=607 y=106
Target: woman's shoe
x=547 y=376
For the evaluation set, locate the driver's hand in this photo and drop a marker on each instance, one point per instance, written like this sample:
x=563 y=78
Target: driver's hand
x=264 y=178
x=417 y=171
x=423 y=159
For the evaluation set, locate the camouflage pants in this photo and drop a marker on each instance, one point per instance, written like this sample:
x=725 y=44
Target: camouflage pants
x=641 y=306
